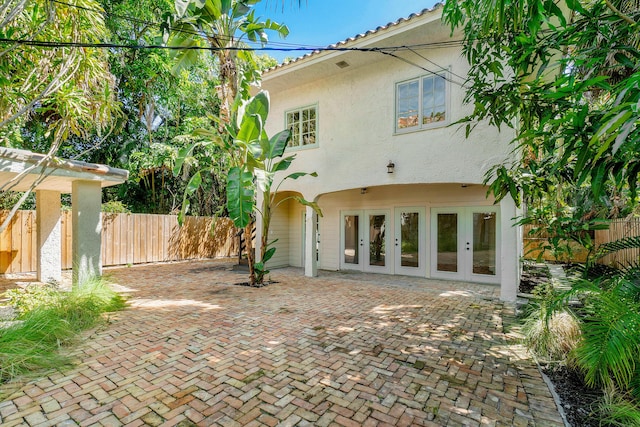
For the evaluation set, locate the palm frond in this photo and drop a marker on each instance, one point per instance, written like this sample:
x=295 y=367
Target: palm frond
x=630 y=242
x=618 y=411
x=610 y=347
x=634 y=385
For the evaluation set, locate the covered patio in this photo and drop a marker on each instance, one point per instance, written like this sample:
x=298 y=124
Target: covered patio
x=22 y=170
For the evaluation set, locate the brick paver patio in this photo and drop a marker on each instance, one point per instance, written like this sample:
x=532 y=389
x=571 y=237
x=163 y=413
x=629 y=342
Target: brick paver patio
x=338 y=350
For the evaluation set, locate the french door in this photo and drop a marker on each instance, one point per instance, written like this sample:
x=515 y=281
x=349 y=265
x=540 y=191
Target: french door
x=364 y=241
x=410 y=242
x=464 y=244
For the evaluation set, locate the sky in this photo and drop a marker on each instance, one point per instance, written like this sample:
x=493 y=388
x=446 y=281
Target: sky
x=320 y=23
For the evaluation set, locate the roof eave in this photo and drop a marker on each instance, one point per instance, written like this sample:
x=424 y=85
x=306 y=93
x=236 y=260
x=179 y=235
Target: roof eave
x=363 y=40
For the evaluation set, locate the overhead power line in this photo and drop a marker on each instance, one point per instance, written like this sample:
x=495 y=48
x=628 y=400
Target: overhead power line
x=435 y=73
x=199 y=32
x=281 y=46
x=437 y=65
x=390 y=50
x=59 y=44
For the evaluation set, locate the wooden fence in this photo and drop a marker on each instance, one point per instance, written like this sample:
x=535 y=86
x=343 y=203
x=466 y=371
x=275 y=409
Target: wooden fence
x=126 y=239
x=618 y=229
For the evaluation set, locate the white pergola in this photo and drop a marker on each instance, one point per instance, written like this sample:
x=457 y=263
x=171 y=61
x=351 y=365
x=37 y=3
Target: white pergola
x=59 y=176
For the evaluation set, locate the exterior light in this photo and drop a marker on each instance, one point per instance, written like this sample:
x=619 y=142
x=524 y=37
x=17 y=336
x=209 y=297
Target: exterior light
x=390 y=167
x=363 y=190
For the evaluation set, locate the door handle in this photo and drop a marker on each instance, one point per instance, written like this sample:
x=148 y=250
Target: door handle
x=468 y=245
x=396 y=242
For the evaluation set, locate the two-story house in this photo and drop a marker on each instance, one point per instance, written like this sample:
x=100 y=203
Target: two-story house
x=399 y=184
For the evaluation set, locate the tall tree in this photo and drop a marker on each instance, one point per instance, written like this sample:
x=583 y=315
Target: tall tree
x=222 y=26
x=160 y=108
x=70 y=87
x=566 y=75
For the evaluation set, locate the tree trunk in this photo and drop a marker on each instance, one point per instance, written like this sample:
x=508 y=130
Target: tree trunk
x=264 y=240
x=250 y=254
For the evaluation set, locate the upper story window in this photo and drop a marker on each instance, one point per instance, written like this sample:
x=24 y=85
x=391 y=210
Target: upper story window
x=421 y=103
x=303 y=123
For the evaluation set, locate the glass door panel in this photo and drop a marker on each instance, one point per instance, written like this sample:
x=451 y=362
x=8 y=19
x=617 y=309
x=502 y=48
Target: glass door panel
x=376 y=250
x=377 y=240
x=447 y=242
x=351 y=253
x=409 y=239
x=484 y=243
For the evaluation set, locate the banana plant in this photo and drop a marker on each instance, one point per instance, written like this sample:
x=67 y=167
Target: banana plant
x=257 y=161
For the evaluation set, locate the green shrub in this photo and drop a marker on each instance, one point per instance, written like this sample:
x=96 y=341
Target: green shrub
x=607 y=348
x=608 y=353
x=115 y=206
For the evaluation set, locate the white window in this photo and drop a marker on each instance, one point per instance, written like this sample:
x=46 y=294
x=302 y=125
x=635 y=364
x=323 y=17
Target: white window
x=303 y=123
x=421 y=103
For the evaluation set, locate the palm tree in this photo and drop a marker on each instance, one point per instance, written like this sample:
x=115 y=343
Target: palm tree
x=222 y=26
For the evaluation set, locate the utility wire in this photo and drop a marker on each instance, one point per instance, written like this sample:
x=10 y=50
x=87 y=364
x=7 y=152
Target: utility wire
x=437 y=65
x=57 y=44
x=282 y=47
x=384 y=50
x=462 y=85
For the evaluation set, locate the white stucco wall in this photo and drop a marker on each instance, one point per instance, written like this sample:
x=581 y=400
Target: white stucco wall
x=279 y=229
x=356 y=113
x=86 y=201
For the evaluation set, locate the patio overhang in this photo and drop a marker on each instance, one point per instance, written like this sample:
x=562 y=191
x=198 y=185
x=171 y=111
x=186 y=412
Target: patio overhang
x=50 y=178
x=58 y=174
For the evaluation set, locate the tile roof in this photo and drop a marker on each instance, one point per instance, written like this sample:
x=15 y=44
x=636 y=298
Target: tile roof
x=357 y=37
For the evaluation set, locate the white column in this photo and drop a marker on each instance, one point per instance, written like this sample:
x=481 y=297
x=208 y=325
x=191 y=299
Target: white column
x=509 y=250
x=48 y=226
x=310 y=262
x=86 y=200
